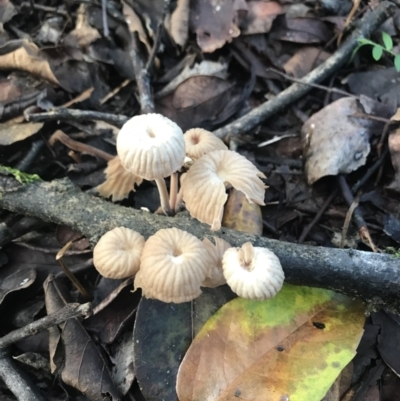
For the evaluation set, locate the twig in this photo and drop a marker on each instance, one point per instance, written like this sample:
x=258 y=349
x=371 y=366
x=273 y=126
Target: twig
x=145 y=96
x=347 y=220
x=367 y=25
x=317 y=217
x=16 y=380
x=78 y=115
x=355 y=273
x=357 y=213
x=69 y=311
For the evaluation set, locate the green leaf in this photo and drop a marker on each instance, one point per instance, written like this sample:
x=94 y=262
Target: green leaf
x=290 y=347
x=377 y=52
x=364 y=41
x=397 y=62
x=21 y=177
x=387 y=41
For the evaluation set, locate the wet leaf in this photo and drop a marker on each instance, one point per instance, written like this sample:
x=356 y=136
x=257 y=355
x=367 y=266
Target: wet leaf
x=241 y=215
x=16 y=281
x=84 y=367
x=338 y=143
x=293 y=346
x=394 y=148
x=163 y=333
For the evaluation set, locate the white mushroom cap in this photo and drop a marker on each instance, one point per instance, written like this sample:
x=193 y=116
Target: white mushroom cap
x=117 y=254
x=215 y=275
x=204 y=187
x=199 y=141
x=151 y=146
x=253 y=272
x=119 y=181
x=174 y=263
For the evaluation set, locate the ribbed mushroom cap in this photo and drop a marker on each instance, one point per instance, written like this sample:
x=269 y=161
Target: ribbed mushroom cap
x=174 y=263
x=199 y=141
x=215 y=275
x=117 y=254
x=119 y=181
x=204 y=185
x=252 y=272
x=151 y=146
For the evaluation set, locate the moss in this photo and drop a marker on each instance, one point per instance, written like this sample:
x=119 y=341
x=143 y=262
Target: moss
x=21 y=177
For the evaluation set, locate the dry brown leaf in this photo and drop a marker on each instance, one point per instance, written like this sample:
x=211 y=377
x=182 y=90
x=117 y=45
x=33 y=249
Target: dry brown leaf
x=261 y=15
x=305 y=60
x=179 y=22
x=135 y=24
x=215 y=22
x=11 y=132
x=338 y=143
x=26 y=58
x=394 y=147
x=241 y=215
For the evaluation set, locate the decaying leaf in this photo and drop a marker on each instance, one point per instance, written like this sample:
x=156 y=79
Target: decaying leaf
x=25 y=56
x=241 y=215
x=16 y=281
x=304 y=60
x=260 y=16
x=10 y=132
x=291 y=347
x=394 y=148
x=337 y=143
x=83 y=366
x=179 y=22
x=215 y=22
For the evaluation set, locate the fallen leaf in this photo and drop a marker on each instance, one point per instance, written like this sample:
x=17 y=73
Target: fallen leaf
x=338 y=143
x=11 y=132
x=179 y=22
x=301 y=30
x=241 y=215
x=215 y=22
x=260 y=16
x=305 y=60
x=16 y=281
x=163 y=333
x=25 y=56
x=291 y=347
x=84 y=367
x=7 y=11
x=394 y=148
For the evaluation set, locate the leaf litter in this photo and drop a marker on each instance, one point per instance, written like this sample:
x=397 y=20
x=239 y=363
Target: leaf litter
x=209 y=63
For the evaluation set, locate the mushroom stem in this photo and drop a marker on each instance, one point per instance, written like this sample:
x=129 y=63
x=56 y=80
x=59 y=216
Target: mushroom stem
x=173 y=191
x=246 y=255
x=164 y=198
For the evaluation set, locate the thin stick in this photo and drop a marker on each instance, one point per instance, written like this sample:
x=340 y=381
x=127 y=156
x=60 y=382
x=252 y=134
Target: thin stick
x=69 y=311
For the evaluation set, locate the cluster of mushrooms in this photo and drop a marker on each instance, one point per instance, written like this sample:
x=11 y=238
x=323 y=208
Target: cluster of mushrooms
x=172 y=265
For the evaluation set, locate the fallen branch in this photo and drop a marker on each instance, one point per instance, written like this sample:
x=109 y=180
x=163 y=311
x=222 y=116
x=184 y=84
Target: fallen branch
x=68 y=312
x=366 y=26
x=371 y=276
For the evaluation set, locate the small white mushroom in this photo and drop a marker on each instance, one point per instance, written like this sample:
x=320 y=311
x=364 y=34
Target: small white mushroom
x=253 y=272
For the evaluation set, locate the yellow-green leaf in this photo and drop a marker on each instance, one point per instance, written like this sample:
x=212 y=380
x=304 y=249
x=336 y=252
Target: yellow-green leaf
x=241 y=215
x=291 y=347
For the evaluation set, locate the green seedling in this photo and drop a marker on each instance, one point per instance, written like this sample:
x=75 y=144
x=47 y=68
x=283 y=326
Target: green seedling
x=378 y=50
x=21 y=177
x=393 y=251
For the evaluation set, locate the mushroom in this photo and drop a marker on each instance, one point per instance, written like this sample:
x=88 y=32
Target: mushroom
x=215 y=275
x=173 y=265
x=119 y=182
x=204 y=187
x=253 y=272
x=117 y=254
x=199 y=141
x=152 y=147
